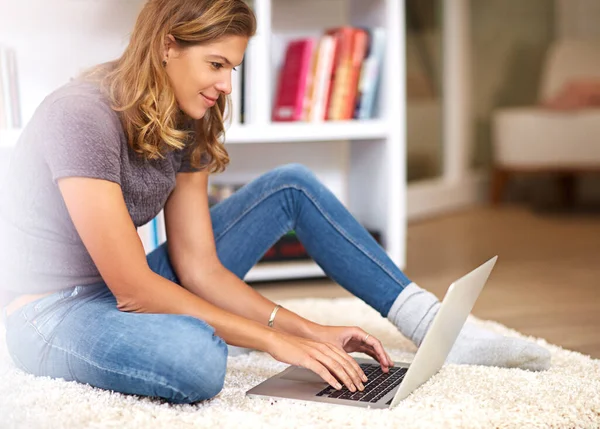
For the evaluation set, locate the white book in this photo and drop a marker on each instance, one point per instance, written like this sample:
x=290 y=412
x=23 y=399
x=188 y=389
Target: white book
x=145 y=233
x=161 y=226
x=322 y=78
x=13 y=84
x=5 y=106
x=3 y=101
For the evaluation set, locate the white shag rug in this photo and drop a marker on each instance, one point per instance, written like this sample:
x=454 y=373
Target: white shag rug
x=566 y=396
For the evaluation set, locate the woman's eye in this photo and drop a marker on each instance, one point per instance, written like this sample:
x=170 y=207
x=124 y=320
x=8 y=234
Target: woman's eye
x=217 y=66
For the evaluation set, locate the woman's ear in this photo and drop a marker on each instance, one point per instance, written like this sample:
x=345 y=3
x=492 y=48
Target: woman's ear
x=170 y=45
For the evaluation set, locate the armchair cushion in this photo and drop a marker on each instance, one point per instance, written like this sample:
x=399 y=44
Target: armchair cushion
x=539 y=138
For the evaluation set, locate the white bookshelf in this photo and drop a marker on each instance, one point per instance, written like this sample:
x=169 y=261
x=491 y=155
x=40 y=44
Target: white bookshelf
x=363 y=162
x=266 y=271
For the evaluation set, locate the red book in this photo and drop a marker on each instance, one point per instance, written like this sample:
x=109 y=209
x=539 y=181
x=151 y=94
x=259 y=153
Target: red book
x=293 y=79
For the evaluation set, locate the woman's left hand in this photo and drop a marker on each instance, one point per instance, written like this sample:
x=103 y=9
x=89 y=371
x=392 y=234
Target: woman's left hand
x=353 y=339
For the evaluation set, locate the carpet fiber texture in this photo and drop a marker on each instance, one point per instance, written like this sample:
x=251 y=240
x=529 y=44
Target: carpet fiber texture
x=565 y=396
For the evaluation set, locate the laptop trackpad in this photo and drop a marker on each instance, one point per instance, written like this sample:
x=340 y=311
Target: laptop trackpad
x=302 y=374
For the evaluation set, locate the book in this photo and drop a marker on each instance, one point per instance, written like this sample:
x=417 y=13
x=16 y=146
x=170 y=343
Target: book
x=343 y=61
x=6 y=114
x=161 y=228
x=235 y=114
x=154 y=233
x=293 y=80
x=145 y=234
x=310 y=85
x=13 y=88
x=360 y=41
x=10 y=109
x=337 y=34
x=3 y=97
x=370 y=75
x=322 y=79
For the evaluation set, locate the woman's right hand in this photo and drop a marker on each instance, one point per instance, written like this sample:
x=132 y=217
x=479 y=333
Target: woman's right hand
x=326 y=360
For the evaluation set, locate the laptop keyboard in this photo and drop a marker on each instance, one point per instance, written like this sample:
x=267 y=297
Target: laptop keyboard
x=379 y=385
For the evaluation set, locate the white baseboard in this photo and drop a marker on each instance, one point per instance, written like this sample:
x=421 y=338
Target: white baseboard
x=435 y=197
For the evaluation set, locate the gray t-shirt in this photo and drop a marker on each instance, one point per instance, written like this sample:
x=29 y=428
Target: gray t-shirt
x=74 y=132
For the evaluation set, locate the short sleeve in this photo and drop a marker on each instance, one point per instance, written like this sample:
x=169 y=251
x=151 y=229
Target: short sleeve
x=81 y=137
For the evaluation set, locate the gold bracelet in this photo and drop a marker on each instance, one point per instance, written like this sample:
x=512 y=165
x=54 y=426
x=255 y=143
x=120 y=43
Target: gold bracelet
x=272 y=318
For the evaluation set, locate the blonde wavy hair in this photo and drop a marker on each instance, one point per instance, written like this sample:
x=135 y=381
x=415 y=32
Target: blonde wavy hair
x=138 y=86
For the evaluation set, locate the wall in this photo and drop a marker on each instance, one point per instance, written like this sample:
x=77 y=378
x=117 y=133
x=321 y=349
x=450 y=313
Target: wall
x=509 y=39
x=55 y=40
x=577 y=19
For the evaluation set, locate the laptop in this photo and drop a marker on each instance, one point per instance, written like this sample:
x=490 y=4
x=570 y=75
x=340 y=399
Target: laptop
x=387 y=390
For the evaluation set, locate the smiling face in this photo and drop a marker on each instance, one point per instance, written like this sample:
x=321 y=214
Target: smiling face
x=200 y=74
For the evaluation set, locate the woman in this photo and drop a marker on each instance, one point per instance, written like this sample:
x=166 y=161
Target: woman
x=104 y=154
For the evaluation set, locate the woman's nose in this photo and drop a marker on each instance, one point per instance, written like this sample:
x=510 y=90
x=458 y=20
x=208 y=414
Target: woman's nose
x=225 y=85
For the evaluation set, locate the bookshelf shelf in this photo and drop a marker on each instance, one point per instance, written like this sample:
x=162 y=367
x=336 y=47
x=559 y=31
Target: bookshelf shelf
x=267 y=271
x=306 y=131
x=278 y=132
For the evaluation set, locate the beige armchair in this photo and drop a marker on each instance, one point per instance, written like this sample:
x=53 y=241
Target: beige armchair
x=537 y=139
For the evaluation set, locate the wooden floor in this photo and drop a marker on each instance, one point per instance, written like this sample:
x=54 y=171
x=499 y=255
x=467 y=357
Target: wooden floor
x=546 y=282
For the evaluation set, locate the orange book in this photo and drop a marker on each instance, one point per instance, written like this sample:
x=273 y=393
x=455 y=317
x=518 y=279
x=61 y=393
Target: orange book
x=360 y=44
x=353 y=45
x=311 y=84
x=341 y=60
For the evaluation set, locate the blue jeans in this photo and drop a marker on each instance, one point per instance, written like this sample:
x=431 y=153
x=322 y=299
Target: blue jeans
x=78 y=333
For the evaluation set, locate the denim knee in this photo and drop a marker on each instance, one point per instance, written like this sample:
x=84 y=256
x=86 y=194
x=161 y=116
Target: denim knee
x=198 y=372
x=297 y=175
